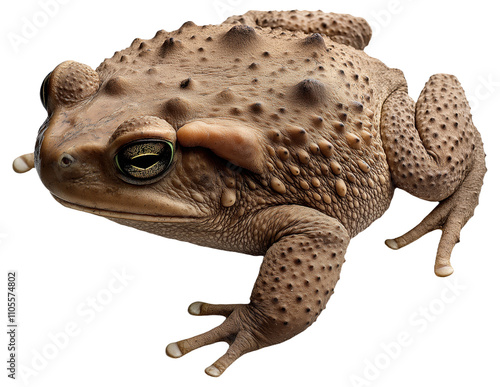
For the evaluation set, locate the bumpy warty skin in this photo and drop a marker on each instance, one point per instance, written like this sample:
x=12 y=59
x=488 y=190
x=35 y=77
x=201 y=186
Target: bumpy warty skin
x=319 y=144
x=287 y=140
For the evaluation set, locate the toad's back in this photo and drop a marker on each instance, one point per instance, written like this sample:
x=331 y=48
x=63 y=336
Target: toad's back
x=314 y=103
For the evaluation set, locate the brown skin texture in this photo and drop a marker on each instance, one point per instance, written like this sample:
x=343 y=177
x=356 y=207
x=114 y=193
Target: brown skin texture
x=286 y=140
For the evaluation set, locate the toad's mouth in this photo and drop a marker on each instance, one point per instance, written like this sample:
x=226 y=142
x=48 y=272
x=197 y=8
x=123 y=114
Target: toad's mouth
x=126 y=215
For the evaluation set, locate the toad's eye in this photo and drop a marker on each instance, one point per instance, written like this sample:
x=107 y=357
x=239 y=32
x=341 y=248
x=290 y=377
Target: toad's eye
x=44 y=92
x=144 y=161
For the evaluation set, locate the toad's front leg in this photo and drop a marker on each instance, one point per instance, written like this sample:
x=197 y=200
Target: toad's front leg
x=296 y=279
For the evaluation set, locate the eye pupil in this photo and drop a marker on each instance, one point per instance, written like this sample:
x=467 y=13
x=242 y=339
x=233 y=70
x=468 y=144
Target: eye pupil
x=144 y=161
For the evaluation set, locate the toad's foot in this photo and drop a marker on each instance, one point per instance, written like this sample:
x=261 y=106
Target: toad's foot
x=450 y=215
x=244 y=330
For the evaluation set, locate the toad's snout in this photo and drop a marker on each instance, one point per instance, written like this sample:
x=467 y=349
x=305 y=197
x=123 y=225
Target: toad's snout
x=58 y=167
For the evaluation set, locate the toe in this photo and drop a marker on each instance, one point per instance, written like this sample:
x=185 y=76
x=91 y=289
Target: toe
x=24 y=163
x=242 y=344
x=213 y=371
x=173 y=350
x=181 y=348
x=391 y=243
x=195 y=308
x=443 y=271
x=204 y=309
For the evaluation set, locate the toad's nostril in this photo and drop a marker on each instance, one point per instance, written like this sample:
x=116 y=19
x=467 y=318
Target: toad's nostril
x=66 y=160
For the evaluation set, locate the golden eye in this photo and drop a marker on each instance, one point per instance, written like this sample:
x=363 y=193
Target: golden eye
x=144 y=161
x=44 y=91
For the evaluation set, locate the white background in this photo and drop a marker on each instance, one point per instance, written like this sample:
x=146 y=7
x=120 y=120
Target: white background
x=64 y=257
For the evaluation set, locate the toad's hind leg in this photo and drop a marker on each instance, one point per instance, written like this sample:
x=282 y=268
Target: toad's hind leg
x=435 y=152
x=341 y=28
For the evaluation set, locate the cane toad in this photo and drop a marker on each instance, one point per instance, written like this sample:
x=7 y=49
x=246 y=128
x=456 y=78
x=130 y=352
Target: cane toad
x=271 y=134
